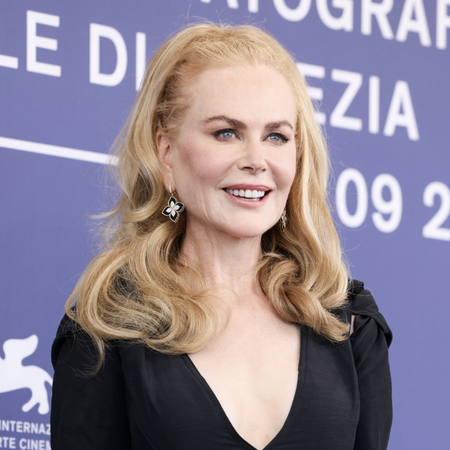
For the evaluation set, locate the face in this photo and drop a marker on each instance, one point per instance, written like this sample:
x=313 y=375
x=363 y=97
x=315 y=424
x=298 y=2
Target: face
x=234 y=161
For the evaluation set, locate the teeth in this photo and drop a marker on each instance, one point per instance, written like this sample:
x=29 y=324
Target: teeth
x=247 y=193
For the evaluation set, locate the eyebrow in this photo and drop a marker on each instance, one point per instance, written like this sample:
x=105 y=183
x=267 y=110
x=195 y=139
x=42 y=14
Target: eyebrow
x=235 y=123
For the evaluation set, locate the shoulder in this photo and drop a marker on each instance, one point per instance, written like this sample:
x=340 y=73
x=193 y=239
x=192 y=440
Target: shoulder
x=68 y=334
x=362 y=305
x=370 y=341
x=75 y=349
x=85 y=398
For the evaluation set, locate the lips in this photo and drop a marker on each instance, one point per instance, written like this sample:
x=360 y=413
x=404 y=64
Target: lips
x=248 y=192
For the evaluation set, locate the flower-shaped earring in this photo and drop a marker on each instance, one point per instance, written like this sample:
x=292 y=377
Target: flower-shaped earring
x=174 y=207
x=283 y=221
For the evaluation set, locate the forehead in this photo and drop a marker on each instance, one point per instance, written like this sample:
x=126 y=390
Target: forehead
x=249 y=93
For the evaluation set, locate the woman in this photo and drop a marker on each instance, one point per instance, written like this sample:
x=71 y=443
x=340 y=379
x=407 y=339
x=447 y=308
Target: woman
x=218 y=314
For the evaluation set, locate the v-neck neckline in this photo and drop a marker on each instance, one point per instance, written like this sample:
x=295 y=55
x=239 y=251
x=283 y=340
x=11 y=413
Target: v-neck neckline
x=292 y=411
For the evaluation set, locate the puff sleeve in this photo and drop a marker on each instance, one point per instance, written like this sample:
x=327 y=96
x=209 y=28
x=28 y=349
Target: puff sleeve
x=370 y=340
x=88 y=411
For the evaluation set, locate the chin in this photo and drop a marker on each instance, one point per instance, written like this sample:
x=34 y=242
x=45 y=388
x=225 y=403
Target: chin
x=248 y=230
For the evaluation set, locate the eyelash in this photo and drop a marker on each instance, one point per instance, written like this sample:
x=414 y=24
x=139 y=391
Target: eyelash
x=217 y=134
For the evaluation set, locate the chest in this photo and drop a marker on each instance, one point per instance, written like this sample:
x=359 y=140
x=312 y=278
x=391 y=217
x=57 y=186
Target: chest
x=173 y=405
x=254 y=380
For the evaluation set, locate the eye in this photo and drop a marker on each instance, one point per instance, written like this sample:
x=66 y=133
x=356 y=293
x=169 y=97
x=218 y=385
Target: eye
x=226 y=134
x=278 y=137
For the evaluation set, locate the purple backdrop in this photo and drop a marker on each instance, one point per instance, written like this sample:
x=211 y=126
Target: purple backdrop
x=379 y=69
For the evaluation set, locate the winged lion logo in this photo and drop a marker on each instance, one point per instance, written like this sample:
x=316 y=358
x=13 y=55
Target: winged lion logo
x=14 y=375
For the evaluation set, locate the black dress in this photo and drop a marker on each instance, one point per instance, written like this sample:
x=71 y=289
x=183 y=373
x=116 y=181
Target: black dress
x=147 y=400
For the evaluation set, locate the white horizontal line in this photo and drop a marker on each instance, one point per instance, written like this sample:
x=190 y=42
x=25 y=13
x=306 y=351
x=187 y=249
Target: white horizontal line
x=55 y=150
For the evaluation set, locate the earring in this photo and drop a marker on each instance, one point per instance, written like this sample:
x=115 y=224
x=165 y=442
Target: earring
x=283 y=221
x=174 y=207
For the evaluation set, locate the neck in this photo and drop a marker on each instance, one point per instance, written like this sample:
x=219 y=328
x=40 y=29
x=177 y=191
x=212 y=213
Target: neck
x=223 y=261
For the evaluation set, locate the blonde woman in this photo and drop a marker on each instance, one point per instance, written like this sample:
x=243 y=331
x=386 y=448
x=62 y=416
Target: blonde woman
x=219 y=313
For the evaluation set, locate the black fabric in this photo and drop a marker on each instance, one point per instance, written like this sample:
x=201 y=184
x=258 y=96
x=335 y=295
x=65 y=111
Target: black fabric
x=146 y=400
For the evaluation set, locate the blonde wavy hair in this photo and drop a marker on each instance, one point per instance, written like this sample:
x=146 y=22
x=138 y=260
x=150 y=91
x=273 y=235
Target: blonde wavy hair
x=136 y=288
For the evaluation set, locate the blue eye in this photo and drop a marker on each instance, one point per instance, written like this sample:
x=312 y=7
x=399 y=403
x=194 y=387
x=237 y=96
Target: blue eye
x=225 y=134
x=276 y=137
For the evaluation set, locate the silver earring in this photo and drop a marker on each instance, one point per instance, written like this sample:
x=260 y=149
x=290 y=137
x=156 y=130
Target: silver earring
x=283 y=221
x=174 y=208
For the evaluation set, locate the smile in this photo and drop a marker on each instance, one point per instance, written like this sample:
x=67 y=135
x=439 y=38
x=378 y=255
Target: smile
x=247 y=194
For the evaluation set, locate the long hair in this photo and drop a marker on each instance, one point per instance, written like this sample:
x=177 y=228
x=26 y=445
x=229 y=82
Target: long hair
x=135 y=288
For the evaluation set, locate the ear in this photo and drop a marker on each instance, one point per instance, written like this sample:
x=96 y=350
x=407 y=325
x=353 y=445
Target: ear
x=164 y=146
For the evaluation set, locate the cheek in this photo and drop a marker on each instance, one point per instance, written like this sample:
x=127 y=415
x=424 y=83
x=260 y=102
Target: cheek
x=286 y=170
x=187 y=161
x=196 y=166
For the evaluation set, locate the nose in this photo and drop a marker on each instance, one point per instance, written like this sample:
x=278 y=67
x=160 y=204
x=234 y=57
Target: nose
x=253 y=158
